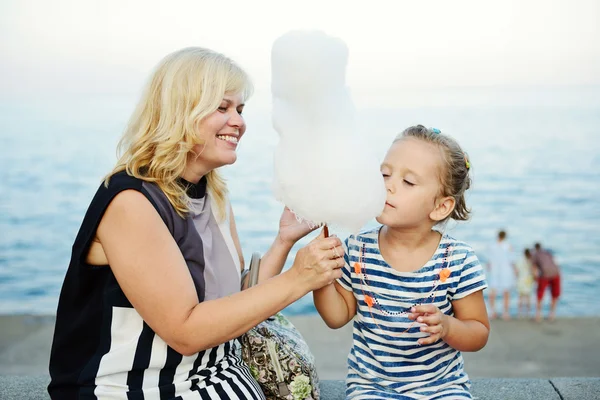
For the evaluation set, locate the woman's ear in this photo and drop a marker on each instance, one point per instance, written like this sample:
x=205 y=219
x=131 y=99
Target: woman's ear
x=444 y=207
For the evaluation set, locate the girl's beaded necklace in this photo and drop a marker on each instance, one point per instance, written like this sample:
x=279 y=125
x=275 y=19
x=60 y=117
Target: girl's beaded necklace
x=360 y=269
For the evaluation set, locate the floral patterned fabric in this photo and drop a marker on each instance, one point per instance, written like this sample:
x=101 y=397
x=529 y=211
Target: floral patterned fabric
x=280 y=360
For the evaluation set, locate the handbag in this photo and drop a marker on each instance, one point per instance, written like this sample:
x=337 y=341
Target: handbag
x=277 y=354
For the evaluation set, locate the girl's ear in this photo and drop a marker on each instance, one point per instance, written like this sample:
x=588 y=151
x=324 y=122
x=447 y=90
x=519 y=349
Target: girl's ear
x=444 y=207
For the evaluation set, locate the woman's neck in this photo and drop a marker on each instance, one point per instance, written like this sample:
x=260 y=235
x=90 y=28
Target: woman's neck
x=193 y=174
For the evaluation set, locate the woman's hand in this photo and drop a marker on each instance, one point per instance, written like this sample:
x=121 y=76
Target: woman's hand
x=436 y=322
x=319 y=263
x=290 y=229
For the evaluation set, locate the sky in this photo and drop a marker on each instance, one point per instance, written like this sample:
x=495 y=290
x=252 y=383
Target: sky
x=109 y=47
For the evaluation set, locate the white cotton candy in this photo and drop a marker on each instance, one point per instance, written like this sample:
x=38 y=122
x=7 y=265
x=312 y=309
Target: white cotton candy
x=322 y=172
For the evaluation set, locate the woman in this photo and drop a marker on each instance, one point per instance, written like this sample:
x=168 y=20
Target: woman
x=150 y=306
x=502 y=274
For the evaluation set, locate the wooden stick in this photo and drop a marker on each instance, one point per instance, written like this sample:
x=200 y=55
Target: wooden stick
x=326 y=230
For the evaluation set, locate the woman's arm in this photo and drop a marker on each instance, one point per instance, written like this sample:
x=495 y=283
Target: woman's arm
x=272 y=262
x=235 y=237
x=154 y=276
x=290 y=231
x=335 y=305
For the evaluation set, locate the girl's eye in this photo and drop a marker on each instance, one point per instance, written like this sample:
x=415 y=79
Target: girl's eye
x=409 y=183
x=385 y=175
x=240 y=111
x=222 y=109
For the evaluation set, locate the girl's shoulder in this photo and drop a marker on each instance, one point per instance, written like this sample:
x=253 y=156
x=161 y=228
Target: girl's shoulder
x=459 y=249
x=367 y=236
x=457 y=243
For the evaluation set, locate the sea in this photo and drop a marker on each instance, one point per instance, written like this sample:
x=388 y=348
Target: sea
x=535 y=155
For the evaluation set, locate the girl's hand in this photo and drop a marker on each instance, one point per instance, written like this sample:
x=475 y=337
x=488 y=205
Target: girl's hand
x=290 y=230
x=436 y=322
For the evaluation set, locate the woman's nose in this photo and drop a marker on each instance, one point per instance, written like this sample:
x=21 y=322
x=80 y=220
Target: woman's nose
x=237 y=120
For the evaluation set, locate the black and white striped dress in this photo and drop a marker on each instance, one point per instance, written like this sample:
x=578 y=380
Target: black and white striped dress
x=102 y=347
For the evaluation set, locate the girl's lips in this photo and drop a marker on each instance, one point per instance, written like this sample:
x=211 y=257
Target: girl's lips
x=389 y=205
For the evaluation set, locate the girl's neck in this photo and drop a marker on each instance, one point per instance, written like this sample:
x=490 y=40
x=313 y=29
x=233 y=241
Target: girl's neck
x=409 y=239
x=407 y=250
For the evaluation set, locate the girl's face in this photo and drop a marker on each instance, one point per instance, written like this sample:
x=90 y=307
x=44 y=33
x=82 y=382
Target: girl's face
x=221 y=131
x=411 y=171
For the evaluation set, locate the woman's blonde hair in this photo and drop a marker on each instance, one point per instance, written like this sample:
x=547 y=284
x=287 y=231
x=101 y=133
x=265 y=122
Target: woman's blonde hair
x=454 y=177
x=186 y=86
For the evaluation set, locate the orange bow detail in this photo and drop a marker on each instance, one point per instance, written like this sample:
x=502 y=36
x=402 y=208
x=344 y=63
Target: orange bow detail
x=357 y=268
x=444 y=274
x=369 y=300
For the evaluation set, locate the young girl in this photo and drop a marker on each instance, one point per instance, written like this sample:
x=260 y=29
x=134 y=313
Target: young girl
x=415 y=293
x=524 y=283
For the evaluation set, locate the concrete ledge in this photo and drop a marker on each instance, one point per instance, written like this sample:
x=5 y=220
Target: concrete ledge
x=34 y=388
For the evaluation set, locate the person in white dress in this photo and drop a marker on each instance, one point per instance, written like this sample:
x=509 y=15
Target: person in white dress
x=501 y=273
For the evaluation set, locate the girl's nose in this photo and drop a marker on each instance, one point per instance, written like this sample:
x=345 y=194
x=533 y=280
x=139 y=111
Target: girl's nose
x=390 y=187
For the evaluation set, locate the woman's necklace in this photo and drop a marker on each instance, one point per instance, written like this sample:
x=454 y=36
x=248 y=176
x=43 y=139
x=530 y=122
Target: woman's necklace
x=360 y=269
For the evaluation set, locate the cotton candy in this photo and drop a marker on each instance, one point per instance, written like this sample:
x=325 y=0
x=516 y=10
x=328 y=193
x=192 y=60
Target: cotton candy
x=322 y=172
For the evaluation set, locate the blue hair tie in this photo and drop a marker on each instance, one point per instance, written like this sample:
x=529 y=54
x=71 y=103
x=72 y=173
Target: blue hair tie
x=436 y=131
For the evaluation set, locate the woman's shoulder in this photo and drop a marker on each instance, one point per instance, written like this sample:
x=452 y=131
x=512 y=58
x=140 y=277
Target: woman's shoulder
x=121 y=179
x=112 y=186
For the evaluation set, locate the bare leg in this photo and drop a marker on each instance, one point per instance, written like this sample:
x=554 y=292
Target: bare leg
x=538 y=310
x=552 y=315
x=506 y=314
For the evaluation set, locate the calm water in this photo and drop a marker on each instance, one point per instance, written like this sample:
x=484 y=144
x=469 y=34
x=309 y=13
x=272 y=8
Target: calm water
x=536 y=171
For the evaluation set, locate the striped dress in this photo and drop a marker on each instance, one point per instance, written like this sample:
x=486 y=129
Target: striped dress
x=102 y=347
x=385 y=361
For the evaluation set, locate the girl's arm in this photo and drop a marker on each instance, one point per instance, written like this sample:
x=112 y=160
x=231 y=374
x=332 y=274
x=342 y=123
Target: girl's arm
x=335 y=304
x=154 y=276
x=467 y=330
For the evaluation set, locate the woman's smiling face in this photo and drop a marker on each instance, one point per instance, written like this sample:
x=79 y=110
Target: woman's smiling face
x=221 y=132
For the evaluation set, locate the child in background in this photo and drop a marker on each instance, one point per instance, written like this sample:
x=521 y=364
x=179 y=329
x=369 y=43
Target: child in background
x=525 y=283
x=415 y=294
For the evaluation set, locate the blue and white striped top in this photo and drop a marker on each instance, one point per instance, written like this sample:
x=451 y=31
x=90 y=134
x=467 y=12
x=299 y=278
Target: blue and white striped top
x=385 y=361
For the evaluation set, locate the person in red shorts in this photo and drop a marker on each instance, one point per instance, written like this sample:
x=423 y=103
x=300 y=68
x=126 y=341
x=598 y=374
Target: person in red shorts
x=547 y=274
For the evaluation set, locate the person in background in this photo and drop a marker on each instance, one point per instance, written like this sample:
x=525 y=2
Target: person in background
x=547 y=274
x=501 y=273
x=524 y=269
x=151 y=305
